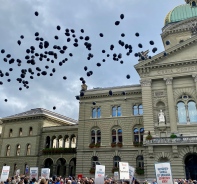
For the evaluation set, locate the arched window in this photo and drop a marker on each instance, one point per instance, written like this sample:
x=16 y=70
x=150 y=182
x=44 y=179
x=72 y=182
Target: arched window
x=18 y=149
x=96 y=112
x=98 y=136
x=48 y=141
x=138 y=134
x=60 y=141
x=8 y=151
x=116 y=161
x=15 y=168
x=95 y=161
x=66 y=141
x=137 y=110
x=181 y=112
x=73 y=141
x=186 y=110
x=116 y=111
x=28 y=149
x=54 y=142
x=20 y=132
x=10 y=133
x=26 y=170
x=116 y=135
x=30 y=131
x=95 y=136
x=140 y=161
x=140 y=107
x=192 y=111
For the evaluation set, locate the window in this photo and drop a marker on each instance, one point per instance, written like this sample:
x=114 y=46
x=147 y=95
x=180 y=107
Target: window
x=193 y=3
x=116 y=111
x=48 y=141
x=186 y=110
x=73 y=142
x=96 y=136
x=138 y=134
x=116 y=135
x=8 y=150
x=96 y=112
x=140 y=161
x=20 y=132
x=137 y=110
x=95 y=161
x=10 y=133
x=18 y=149
x=116 y=161
x=28 y=149
x=30 y=131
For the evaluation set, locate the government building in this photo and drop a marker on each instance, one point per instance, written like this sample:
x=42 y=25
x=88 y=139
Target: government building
x=153 y=121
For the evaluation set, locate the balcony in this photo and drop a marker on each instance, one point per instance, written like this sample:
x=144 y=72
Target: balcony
x=170 y=141
x=52 y=151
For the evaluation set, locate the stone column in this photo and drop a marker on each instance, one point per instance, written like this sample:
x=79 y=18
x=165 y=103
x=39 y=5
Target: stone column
x=195 y=80
x=171 y=106
x=147 y=105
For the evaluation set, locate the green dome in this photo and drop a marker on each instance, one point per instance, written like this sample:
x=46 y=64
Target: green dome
x=180 y=13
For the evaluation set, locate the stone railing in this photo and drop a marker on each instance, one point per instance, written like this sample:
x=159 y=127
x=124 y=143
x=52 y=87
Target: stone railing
x=168 y=140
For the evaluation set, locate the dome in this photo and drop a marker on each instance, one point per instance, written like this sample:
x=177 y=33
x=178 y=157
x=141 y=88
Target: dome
x=180 y=13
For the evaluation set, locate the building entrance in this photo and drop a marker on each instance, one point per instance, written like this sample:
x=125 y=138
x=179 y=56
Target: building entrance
x=191 y=167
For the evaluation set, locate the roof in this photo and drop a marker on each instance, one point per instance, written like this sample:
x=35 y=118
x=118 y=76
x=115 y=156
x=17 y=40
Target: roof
x=41 y=111
x=181 y=12
x=114 y=87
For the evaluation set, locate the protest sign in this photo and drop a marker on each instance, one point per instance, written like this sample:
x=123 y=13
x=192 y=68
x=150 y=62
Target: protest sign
x=131 y=173
x=5 y=173
x=116 y=176
x=124 y=170
x=34 y=172
x=45 y=173
x=163 y=173
x=99 y=174
x=80 y=176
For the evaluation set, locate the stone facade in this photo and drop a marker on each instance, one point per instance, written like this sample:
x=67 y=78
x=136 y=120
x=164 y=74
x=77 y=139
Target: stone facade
x=119 y=123
x=24 y=142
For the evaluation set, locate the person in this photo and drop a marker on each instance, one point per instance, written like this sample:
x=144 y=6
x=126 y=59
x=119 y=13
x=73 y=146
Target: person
x=154 y=182
x=161 y=117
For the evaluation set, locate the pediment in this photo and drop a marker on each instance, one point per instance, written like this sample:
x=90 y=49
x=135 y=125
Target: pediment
x=185 y=52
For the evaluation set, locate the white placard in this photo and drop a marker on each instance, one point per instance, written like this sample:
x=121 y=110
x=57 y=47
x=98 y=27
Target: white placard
x=45 y=173
x=99 y=174
x=124 y=170
x=131 y=173
x=116 y=175
x=33 y=173
x=17 y=172
x=163 y=173
x=5 y=173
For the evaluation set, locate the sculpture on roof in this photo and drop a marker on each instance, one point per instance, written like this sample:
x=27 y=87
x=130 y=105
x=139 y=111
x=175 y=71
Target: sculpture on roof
x=143 y=55
x=193 y=28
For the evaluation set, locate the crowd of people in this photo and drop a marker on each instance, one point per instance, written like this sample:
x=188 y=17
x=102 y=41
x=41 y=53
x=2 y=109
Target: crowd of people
x=83 y=180
x=62 y=180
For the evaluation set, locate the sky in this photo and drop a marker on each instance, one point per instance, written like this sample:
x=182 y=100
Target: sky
x=17 y=18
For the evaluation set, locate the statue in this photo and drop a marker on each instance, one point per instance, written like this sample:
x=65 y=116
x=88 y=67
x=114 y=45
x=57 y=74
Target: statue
x=161 y=117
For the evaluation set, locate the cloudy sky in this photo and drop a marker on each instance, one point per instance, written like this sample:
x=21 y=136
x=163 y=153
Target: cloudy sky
x=94 y=16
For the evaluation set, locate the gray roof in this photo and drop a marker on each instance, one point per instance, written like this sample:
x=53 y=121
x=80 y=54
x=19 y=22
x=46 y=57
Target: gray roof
x=114 y=87
x=41 y=111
